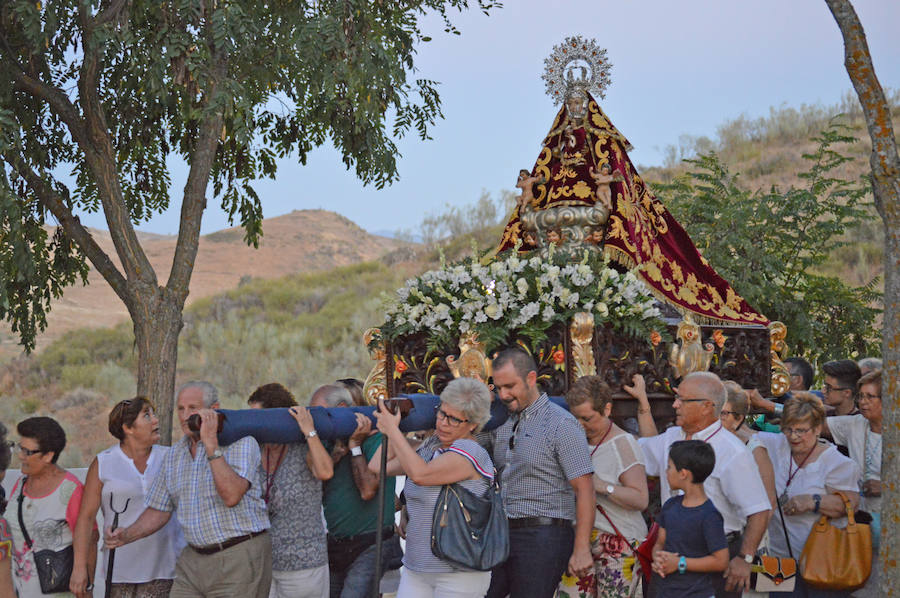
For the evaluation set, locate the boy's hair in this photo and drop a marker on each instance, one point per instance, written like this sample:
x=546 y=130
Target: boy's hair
x=694 y=455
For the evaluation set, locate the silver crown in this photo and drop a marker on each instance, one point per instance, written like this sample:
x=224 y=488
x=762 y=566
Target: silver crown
x=576 y=64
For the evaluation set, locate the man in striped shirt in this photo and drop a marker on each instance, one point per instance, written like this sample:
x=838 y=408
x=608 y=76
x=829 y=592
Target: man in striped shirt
x=546 y=471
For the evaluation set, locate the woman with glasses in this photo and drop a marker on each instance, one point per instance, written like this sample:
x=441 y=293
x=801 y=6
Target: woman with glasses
x=116 y=482
x=808 y=473
x=732 y=416
x=861 y=434
x=451 y=455
x=620 y=484
x=46 y=499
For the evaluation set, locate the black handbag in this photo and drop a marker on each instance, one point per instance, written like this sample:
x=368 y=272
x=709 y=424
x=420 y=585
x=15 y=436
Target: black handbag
x=470 y=531
x=54 y=567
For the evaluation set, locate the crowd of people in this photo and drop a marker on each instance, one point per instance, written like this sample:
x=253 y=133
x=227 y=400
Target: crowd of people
x=301 y=519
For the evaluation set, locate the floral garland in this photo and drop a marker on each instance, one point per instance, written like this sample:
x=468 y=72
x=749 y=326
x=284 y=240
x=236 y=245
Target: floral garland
x=521 y=294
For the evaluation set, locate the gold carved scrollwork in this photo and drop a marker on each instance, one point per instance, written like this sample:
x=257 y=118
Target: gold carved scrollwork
x=375 y=386
x=781 y=377
x=581 y=329
x=689 y=356
x=472 y=361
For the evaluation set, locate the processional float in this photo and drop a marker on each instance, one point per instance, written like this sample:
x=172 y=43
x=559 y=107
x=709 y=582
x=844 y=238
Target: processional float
x=586 y=250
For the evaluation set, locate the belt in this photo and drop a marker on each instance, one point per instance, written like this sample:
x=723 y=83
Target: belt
x=536 y=521
x=220 y=546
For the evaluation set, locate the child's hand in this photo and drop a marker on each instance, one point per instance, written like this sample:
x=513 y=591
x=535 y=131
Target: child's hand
x=665 y=563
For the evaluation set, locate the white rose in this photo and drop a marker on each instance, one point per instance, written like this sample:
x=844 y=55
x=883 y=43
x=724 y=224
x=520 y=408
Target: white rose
x=522 y=286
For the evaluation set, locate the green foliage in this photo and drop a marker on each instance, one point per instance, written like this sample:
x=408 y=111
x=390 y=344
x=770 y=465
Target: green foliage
x=111 y=92
x=80 y=348
x=770 y=245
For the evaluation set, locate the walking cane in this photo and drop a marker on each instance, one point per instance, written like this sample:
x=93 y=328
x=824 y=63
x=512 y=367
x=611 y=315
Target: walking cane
x=376 y=584
x=112 y=551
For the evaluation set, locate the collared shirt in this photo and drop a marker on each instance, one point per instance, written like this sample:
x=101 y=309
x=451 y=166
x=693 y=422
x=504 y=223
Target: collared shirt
x=550 y=450
x=734 y=486
x=185 y=485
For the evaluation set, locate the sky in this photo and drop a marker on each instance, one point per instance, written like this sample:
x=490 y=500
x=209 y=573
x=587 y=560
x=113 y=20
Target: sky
x=678 y=67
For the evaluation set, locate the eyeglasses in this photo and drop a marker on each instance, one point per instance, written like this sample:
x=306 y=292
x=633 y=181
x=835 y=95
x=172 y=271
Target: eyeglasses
x=726 y=412
x=830 y=388
x=868 y=397
x=450 y=419
x=678 y=397
x=27 y=451
x=795 y=431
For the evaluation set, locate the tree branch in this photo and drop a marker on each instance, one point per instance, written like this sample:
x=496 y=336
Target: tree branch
x=73 y=227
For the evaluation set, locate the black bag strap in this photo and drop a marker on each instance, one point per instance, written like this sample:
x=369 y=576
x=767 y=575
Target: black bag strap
x=22 y=521
x=784 y=527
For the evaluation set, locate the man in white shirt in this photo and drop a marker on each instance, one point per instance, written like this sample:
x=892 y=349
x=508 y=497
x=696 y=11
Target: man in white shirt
x=734 y=487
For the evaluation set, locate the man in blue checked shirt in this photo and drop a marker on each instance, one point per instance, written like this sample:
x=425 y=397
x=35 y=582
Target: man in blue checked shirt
x=218 y=501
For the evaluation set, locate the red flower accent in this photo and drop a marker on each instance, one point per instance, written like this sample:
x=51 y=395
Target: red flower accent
x=719 y=338
x=400 y=367
x=655 y=338
x=559 y=356
x=586 y=583
x=613 y=544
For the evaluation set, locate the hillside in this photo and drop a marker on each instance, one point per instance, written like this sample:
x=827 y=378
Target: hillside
x=302 y=241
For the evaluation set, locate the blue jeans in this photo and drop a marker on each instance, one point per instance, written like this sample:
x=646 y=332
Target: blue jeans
x=538 y=557
x=356 y=580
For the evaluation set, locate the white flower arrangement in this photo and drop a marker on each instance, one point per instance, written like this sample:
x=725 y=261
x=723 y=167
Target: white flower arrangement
x=519 y=295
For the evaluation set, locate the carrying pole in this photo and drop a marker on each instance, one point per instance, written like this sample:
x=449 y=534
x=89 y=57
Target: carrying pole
x=379 y=528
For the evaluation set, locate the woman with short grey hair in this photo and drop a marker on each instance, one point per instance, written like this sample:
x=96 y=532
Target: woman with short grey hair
x=451 y=455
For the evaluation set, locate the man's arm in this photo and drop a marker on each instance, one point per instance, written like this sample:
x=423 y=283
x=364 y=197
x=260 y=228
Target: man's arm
x=317 y=458
x=737 y=575
x=581 y=561
x=230 y=486
x=638 y=390
x=149 y=522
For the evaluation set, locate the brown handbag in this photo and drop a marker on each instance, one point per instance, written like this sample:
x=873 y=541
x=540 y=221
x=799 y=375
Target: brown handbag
x=835 y=558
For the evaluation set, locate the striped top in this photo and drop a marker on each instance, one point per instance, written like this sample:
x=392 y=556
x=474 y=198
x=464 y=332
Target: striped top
x=420 y=502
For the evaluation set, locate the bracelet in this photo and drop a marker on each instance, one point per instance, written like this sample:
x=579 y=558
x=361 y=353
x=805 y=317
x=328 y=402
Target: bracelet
x=682 y=565
x=778 y=410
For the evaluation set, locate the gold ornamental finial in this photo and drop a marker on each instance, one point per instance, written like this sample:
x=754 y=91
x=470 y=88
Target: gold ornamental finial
x=781 y=377
x=690 y=356
x=375 y=386
x=581 y=330
x=472 y=361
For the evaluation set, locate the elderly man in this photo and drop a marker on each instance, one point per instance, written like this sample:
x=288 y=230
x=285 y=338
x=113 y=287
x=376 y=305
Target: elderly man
x=218 y=500
x=735 y=486
x=546 y=484
x=351 y=502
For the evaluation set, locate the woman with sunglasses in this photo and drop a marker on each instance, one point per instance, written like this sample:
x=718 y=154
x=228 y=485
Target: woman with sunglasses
x=451 y=455
x=116 y=482
x=808 y=475
x=732 y=416
x=46 y=499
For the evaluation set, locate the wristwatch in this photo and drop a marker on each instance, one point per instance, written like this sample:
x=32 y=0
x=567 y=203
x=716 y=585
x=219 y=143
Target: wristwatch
x=356 y=451
x=682 y=565
x=311 y=434
x=610 y=489
x=215 y=455
x=748 y=558
x=817 y=498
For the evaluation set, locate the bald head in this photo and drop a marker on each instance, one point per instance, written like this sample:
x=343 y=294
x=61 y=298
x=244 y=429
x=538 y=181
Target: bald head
x=331 y=395
x=707 y=385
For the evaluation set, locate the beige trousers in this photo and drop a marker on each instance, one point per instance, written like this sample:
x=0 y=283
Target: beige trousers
x=243 y=570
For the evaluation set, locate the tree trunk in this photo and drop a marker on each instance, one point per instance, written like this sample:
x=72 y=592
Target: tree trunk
x=885 y=164
x=157 y=324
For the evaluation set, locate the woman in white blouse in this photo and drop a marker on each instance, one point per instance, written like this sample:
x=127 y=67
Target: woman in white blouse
x=808 y=473
x=117 y=480
x=620 y=483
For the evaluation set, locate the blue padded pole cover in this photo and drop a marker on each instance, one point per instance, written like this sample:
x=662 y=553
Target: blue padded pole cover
x=332 y=423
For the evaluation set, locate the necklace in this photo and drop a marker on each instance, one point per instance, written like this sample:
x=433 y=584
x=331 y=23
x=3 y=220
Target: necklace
x=784 y=495
x=270 y=477
x=605 y=434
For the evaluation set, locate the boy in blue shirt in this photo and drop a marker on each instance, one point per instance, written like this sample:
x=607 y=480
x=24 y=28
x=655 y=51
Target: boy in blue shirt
x=691 y=546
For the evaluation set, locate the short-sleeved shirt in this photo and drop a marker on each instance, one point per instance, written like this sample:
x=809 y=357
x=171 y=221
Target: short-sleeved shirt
x=692 y=532
x=295 y=512
x=864 y=445
x=734 y=486
x=420 y=502
x=50 y=522
x=831 y=469
x=346 y=512
x=550 y=450
x=185 y=485
x=611 y=459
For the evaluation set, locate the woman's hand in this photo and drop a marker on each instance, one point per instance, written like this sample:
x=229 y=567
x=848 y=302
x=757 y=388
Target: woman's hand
x=387 y=421
x=871 y=488
x=304 y=419
x=802 y=503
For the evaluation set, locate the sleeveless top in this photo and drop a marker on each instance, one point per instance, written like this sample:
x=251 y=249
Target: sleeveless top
x=420 y=502
x=149 y=558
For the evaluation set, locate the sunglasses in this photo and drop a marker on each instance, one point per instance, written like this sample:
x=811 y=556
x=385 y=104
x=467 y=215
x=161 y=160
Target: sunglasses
x=28 y=452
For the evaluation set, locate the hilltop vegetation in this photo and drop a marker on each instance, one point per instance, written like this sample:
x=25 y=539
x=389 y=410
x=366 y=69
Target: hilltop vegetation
x=306 y=329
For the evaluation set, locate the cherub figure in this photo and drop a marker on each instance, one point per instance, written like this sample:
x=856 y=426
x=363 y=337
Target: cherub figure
x=526 y=183
x=595 y=237
x=554 y=236
x=602 y=179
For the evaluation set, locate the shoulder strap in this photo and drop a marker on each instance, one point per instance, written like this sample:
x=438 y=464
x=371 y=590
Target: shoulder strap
x=618 y=533
x=784 y=527
x=22 y=521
